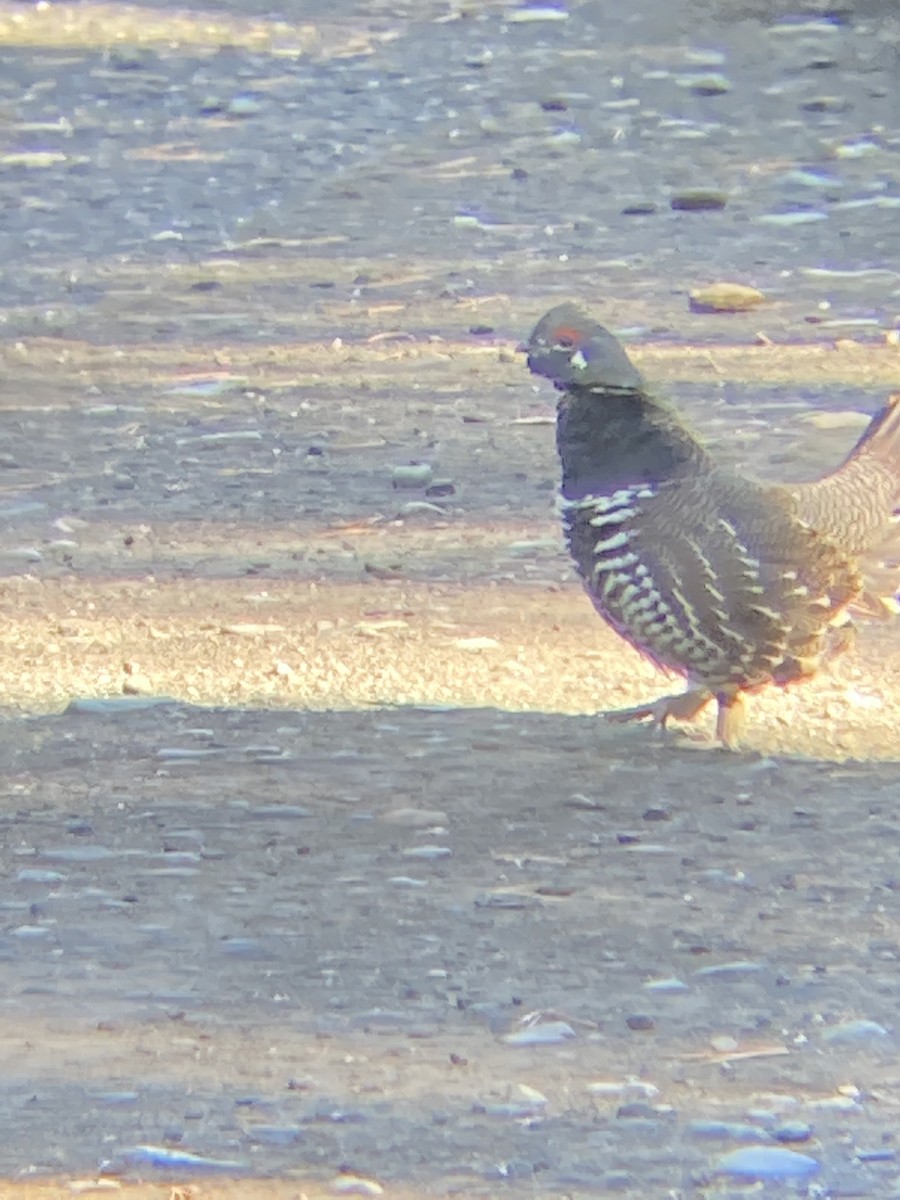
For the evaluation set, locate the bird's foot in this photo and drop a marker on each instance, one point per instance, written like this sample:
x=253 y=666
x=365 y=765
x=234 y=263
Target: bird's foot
x=685 y=706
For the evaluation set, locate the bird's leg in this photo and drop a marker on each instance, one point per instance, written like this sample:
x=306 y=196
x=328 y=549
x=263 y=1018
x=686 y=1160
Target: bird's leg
x=730 y=718
x=684 y=706
x=841 y=638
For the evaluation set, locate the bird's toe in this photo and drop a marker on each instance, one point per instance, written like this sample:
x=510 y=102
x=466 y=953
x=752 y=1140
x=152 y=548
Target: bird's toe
x=685 y=706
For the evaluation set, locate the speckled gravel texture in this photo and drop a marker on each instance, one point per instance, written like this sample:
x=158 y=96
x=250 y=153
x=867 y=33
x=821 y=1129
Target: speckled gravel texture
x=318 y=861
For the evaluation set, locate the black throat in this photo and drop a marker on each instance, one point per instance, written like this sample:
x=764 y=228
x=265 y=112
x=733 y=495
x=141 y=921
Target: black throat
x=611 y=438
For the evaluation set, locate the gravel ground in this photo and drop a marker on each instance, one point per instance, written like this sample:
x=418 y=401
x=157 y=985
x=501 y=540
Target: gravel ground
x=329 y=874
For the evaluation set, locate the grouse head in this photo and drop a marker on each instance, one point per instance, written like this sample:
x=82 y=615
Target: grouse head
x=572 y=350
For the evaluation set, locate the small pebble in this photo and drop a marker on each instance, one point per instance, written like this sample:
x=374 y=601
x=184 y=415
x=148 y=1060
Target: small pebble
x=164 y=1158
x=640 y=1110
x=850 y=323
x=412 y=475
x=803 y=28
x=826 y=104
x=414 y=818
x=704 y=57
x=724 y=1044
x=840 y=419
x=854 y=1031
x=565 y=137
x=725 y=297
x=210 y=387
x=544 y=1033
x=441 y=487
x=789 y=219
x=879 y=1154
x=129 y=58
x=736 y=1131
x=415 y=508
x=767 y=1162
x=659 y=812
x=698 y=200
x=860 y=149
x=476 y=644
x=711 y=84
x=640 y=1021
x=792 y=1131
x=35 y=876
x=355 y=1185
x=32 y=159
x=669 y=984
x=812 y=179
x=585 y=803
x=834 y=1104
x=243 y=106
x=427 y=852
x=613 y=1089
x=536 y=12
x=532 y=546
x=607 y=1089
x=517 y=1109
x=728 y=970
x=21 y=554
x=276 y=1135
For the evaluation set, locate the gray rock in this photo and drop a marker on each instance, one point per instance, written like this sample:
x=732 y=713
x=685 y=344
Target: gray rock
x=698 y=200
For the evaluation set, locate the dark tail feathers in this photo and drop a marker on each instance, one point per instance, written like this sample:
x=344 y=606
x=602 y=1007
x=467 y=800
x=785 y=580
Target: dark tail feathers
x=881 y=566
x=881 y=439
x=858 y=505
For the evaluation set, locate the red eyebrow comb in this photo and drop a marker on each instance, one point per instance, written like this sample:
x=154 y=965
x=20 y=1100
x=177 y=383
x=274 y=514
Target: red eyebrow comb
x=569 y=333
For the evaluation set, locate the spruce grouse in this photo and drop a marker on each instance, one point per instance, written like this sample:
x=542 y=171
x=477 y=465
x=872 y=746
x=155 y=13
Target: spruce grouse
x=730 y=582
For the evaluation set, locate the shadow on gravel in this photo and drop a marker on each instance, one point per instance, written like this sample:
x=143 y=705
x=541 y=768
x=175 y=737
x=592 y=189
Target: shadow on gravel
x=286 y=937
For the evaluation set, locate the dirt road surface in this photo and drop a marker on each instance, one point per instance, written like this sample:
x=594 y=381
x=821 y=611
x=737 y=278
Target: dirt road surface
x=319 y=864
